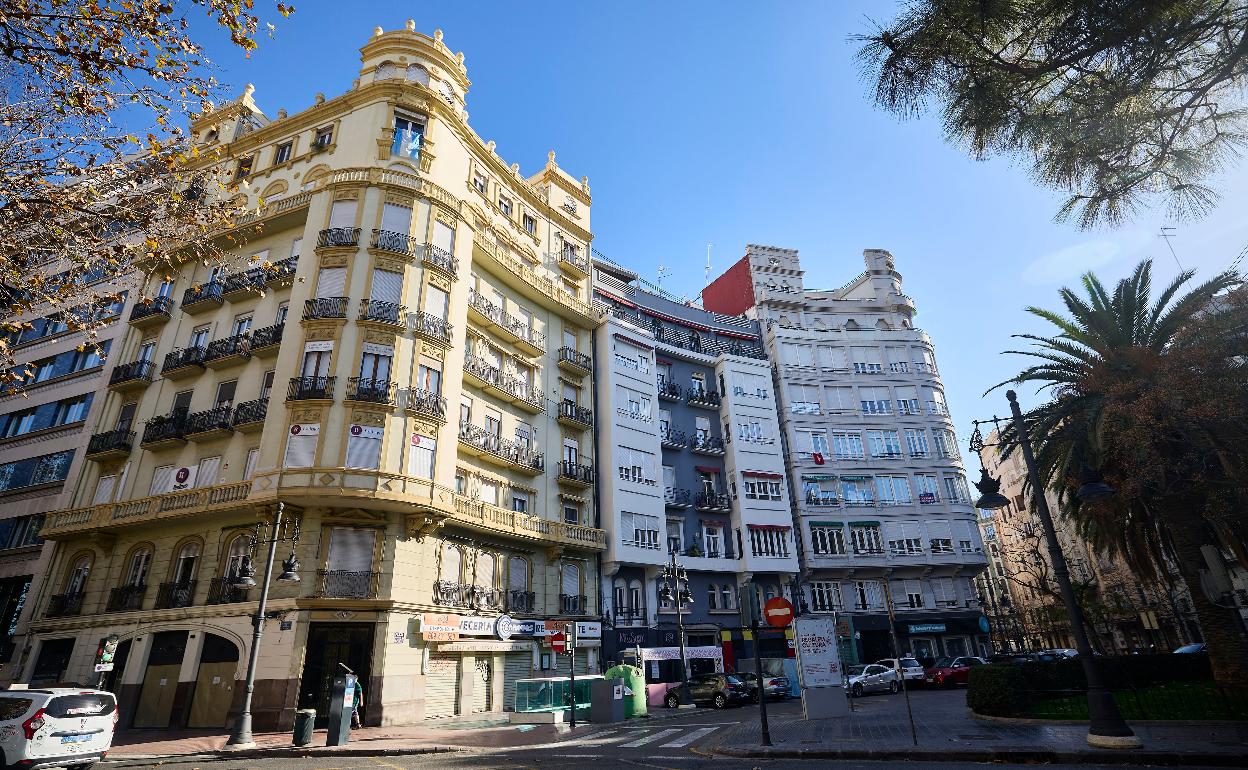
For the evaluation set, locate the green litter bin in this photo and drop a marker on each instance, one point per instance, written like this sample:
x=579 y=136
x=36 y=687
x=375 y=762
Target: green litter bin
x=635 y=680
x=305 y=720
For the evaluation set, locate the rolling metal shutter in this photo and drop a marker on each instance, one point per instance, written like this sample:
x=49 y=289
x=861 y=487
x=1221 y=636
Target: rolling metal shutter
x=516 y=666
x=442 y=686
x=483 y=684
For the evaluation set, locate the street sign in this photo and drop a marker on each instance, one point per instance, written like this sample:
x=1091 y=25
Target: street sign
x=101 y=667
x=558 y=642
x=778 y=612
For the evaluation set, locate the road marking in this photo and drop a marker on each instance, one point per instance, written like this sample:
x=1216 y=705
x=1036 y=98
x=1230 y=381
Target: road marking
x=649 y=738
x=690 y=737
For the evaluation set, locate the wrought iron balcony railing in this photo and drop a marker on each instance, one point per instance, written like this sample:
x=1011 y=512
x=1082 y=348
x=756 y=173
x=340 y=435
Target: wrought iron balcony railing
x=135 y=370
x=370 y=390
x=165 y=427
x=251 y=411
x=702 y=397
x=170 y=595
x=64 y=605
x=713 y=500
x=155 y=306
x=572 y=357
x=307 y=388
x=325 y=307
x=119 y=440
x=570 y=410
x=431 y=326
x=399 y=243
x=267 y=337
x=125 y=598
x=572 y=604
x=579 y=472
x=238 y=345
x=217 y=418
x=338 y=237
x=673 y=439
x=670 y=390
x=344 y=584
x=184 y=357
x=441 y=259
x=221 y=590
x=380 y=311
x=432 y=404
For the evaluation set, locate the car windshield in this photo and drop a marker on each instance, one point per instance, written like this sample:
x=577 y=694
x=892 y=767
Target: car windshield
x=746 y=677
x=855 y=670
x=733 y=680
x=909 y=663
x=942 y=662
x=1191 y=648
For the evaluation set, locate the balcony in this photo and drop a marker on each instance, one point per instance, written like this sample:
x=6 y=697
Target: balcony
x=310 y=389
x=521 y=602
x=222 y=590
x=156 y=509
x=384 y=313
x=325 y=308
x=228 y=351
x=937 y=408
x=207 y=296
x=482 y=311
x=574 y=361
x=707 y=445
x=701 y=397
x=669 y=391
x=267 y=341
x=712 y=501
x=673 y=439
x=210 y=424
x=493 y=448
x=125 y=598
x=677 y=498
x=440 y=259
x=464 y=595
x=574 y=415
x=822 y=499
x=184 y=362
x=164 y=431
x=570 y=604
x=487 y=376
x=573 y=263
x=524 y=395
x=282 y=270
x=63 y=605
x=244 y=284
x=426 y=403
x=395 y=243
x=151 y=312
x=498 y=520
x=173 y=595
x=432 y=328
x=576 y=474
x=132 y=376
x=113 y=445
x=370 y=391
x=249 y=416
x=338 y=238
x=534 y=285
x=342 y=584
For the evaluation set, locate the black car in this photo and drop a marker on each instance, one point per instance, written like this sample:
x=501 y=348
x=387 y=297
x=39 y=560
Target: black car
x=718 y=690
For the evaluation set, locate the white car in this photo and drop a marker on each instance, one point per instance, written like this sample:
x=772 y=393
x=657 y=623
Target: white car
x=911 y=670
x=69 y=727
x=873 y=677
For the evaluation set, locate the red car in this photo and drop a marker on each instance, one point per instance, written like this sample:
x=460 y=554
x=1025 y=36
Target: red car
x=947 y=672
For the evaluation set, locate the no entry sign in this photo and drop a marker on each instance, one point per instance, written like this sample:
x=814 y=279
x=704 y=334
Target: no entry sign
x=558 y=642
x=778 y=612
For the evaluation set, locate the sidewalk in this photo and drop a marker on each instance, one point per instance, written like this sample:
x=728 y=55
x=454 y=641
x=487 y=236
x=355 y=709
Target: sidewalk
x=876 y=731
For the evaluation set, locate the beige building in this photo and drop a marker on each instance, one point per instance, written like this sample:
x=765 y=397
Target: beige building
x=391 y=362
x=1124 y=613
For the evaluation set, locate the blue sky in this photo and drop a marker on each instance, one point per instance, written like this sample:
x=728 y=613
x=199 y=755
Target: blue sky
x=733 y=123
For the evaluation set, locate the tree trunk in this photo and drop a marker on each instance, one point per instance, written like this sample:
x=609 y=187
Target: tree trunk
x=1228 y=649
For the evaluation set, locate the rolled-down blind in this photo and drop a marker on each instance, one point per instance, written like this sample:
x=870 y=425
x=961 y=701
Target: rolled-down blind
x=301 y=445
x=396 y=219
x=209 y=471
x=162 y=480
x=364 y=447
x=104 y=489
x=351 y=549
x=443 y=237
x=332 y=282
x=387 y=286
x=571 y=579
x=342 y=214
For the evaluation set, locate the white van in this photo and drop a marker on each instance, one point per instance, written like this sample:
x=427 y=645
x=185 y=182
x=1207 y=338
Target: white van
x=69 y=727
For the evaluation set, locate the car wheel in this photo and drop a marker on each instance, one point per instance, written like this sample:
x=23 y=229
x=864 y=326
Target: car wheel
x=893 y=686
x=672 y=700
x=856 y=691
x=720 y=701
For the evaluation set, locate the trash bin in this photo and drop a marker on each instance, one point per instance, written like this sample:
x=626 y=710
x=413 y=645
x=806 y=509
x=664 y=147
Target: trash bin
x=305 y=719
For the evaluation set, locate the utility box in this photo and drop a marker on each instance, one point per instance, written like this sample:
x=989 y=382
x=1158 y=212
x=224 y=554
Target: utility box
x=606 y=700
x=341 y=701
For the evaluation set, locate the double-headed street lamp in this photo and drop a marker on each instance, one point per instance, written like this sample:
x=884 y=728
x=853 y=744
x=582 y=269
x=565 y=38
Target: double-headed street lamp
x=281 y=531
x=676 y=590
x=1107 y=728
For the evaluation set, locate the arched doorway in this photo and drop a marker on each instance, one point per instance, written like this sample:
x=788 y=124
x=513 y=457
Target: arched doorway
x=214 y=685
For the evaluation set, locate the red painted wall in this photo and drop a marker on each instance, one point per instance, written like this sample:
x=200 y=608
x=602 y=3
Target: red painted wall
x=733 y=292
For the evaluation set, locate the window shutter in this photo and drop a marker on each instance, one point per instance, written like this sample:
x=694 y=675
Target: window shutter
x=420 y=458
x=396 y=219
x=351 y=549
x=443 y=237
x=332 y=282
x=209 y=471
x=249 y=468
x=301 y=445
x=104 y=489
x=571 y=580
x=342 y=214
x=435 y=302
x=518 y=574
x=162 y=480
x=387 y=286
x=364 y=447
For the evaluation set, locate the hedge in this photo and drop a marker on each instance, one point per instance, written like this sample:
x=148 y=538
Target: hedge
x=998 y=690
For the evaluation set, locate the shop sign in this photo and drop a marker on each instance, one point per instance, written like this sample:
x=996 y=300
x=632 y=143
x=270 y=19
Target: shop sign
x=926 y=628
x=476 y=626
x=439 y=628
x=588 y=630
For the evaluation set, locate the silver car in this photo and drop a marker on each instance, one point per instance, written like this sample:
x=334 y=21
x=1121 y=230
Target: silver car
x=872 y=677
x=909 y=668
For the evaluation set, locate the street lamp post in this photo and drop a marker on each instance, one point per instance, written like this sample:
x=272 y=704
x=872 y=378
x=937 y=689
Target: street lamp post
x=676 y=589
x=1106 y=729
x=241 y=738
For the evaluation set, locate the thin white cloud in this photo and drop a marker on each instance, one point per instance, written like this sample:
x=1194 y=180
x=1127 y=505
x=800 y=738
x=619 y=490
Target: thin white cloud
x=1073 y=261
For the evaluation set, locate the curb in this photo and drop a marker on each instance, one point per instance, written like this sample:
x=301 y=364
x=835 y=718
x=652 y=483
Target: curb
x=1171 y=722
x=1023 y=756
x=288 y=752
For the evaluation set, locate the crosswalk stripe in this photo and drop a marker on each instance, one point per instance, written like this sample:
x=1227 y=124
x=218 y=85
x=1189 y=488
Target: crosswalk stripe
x=649 y=738
x=690 y=737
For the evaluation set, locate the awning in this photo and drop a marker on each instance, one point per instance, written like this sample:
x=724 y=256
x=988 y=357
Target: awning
x=706 y=468
x=714 y=522
x=634 y=342
x=855 y=478
x=818 y=477
x=864 y=523
x=827 y=523
x=762 y=474
x=620 y=300
x=773 y=527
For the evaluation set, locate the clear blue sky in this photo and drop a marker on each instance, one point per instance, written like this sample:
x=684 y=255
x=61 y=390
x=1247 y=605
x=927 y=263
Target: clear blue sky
x=734 y=123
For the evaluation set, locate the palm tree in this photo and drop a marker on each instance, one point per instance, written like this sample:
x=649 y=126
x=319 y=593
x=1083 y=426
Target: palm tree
x=1151 y=395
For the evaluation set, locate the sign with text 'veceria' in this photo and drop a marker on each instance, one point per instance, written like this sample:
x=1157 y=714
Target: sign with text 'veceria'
x=437 y=627
x=818 y=659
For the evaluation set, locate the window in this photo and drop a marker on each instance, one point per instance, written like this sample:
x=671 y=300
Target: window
x=636 y=465
x=865 y=538
x=301 y=445
x=185 y=563
x=479 y=182
x=884 y=443
x=904 y=539
x=926 y=484
x=769 y=541
x=33 y=471
x=429 y=375
x=940 y=536
x=813 y=441
x=956 y=489
x=485 y=570
x=249 y=466
x=848 y=446
x=820 y=490
x=518 y=573
x=243 y=169
x=76 y=580
x=804 y=399
x=420 y=458
x=712 y=597
x=136 y=571
x=19 y=422
x=640 y=530
x=633 y=403
x=520 y=502
x=727 y=597
x=868 y=595
x=794 y=354
x=571 y=514
x=893 y=490
x=629 y=357
x=875 y=401
x=20 y=532
x=909 y=593
x=759 y=487
x=916 y=442
x=364 y=447
x=675 y=536
x=749 y=385
x=832 y=358
x=504 y=205
x=283 y=152
x=907 y=400
x=436 y=302
x=751 y=429
x=946 y=444
x=827 y=539
x=825 y=596
x=225 y=393
x=375 y=362
x=713 y=538
x=324 y=136
x=867 y=361
x=408 y=134
x=452 y=564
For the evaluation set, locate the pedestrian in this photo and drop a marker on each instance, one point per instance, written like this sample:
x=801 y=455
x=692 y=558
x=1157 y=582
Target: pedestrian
x=356 y=702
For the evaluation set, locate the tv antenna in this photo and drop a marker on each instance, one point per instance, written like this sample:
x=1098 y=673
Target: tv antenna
x=662 y=273
x=707 y=273
x=1166 y=234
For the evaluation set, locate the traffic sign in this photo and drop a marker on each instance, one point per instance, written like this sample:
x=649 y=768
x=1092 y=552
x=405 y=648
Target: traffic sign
x=558 y=642
x=778 y=612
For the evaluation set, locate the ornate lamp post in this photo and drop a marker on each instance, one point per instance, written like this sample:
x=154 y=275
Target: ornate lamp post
x=676 y=590
x=1107 y=729
x=281 y=531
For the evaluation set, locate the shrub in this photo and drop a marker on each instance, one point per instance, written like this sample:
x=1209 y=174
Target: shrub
x=998 y=690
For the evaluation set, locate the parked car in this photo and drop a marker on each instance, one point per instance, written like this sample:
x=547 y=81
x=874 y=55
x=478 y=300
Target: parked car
x=909 y=668
x=871 y=678
x=1062 y=652
x=56 y=727
x=718 y=690
x=777 y=687
x=952 y=671
x=1191 y=648
x=1006 y=657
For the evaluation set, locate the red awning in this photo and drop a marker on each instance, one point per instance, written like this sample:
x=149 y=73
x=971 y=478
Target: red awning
x=706 y=469
x=620 y=300
x=762 y=474
x=634 y=342
x=767 y=526
x=714 y=522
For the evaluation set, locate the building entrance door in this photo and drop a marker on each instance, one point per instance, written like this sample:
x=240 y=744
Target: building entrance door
x=214 y=685
x=160 y=681
x=329 y=644
x=924 y=648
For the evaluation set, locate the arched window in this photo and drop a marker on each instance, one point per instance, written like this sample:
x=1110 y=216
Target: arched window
x=137 y=569
x=186 y=562
x=727 y=598
x=634 y=598
x=485 y=570
x=240 y=546
x=452 y=564
x=387 y=70
x=621 y=598
x=76 y=581
x=418 y=74
x=712 y=597
x=571 y=583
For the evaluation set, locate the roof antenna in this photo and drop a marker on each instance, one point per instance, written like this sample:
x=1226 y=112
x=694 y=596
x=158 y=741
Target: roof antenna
x=663 y=273
x=1167 y=233
x=707 y=273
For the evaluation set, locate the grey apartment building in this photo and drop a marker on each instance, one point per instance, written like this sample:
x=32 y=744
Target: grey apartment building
x=882 y=507
x=689 y=444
